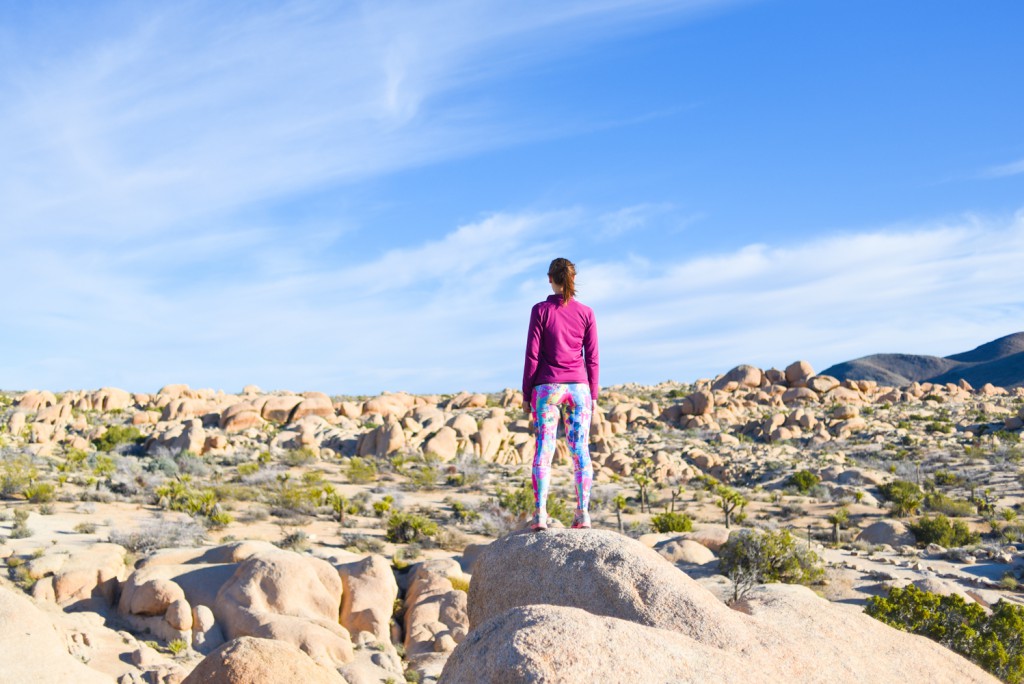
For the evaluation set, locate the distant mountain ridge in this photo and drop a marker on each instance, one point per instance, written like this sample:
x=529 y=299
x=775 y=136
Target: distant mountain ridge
x=1000 y=362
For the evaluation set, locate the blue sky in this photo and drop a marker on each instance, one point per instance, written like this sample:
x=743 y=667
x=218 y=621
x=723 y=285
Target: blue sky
x=364 y=196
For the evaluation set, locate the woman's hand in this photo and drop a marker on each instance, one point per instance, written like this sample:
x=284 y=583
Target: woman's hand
x=526 y=406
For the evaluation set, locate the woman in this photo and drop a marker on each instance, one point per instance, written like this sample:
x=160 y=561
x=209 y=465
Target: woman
x=561 y=368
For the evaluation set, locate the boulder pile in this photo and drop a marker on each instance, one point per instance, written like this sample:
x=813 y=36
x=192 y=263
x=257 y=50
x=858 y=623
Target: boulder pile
x=567 y=605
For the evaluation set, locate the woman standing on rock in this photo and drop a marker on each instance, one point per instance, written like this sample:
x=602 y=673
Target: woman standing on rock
x=561 y=368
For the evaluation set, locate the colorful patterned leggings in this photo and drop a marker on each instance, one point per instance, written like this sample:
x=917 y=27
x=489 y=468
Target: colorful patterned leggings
x=579 y=407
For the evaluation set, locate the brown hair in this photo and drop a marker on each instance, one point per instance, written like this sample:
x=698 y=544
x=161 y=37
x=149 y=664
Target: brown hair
x=563 y=273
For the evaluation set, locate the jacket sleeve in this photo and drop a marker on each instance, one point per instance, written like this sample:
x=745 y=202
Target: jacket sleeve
x=532 y=353
x=590 y=356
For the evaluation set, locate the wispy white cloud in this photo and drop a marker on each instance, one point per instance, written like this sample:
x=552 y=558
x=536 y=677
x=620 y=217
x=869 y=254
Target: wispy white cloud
x=190 y=114
x=616 y=223
x=451 y=312
x=1004 y=170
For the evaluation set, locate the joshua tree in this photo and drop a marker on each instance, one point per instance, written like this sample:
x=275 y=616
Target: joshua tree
x=838 y=518
x=643 y=475
x=620 y=504
x=729 y=500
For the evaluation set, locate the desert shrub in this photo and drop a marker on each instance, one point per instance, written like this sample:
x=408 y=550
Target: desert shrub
x=459 y=584
x=116 y=435
x=672 y=522
x=20 y=530
x=296 y=540
x=462 y=513
x=219 y=518
x=232 y=491
x=559 y=509
x=293 y=500
x=380 y=508
x=751 y=557
x=519 y=502
x=190 y=464
x=299 y=457
x=803 y=480
x=179 y=495
x=40 y=492
x=789 y=511
x=471 y=471
x=17 y=570
x=177 y=646
x=939 y=426
x=362 y=543
x=162 y=463
x=451 y=539
x=17 y=471
x=944 y=478
x=405 y=528
x=361 y=470
x=159 y=534
x=939 y=530
x=904 y=496
x=246 y=469
x=947 y=505
x=405 y=556
x=85 y=528
x=425 y=477
x=992 y=641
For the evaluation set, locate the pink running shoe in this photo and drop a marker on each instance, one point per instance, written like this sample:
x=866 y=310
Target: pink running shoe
x=581 y=521
x=539 y=522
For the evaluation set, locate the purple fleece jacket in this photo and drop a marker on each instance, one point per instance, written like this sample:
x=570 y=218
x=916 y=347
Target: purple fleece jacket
x=561 y=346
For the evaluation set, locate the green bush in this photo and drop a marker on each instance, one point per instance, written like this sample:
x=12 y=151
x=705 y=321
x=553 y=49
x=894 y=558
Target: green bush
x=559 y=509
x=299 y=457
x=425 y=477
x=517 y=501
x=944 y=478
x=177 y=646
x=939 y=530
x=803 y=480
x=247 y=469
x=751 y=557
x=117 y=435
x=361 y=470
x=905 y=496
x=405 y=528
x=462 y=513
x=940 y=503
x=382 y=507
x=41 y=492
x=991 y=641
x=672 y=522
x=16 y=473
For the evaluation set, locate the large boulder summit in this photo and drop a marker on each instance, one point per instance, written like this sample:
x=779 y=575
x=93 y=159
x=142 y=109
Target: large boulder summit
x=603 y=573
x=575 y=605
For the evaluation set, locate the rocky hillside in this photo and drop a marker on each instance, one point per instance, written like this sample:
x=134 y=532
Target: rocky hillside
x=1000 y=362
x=220 y=537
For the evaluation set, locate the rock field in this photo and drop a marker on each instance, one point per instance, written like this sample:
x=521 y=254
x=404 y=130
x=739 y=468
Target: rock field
x=198 y=536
